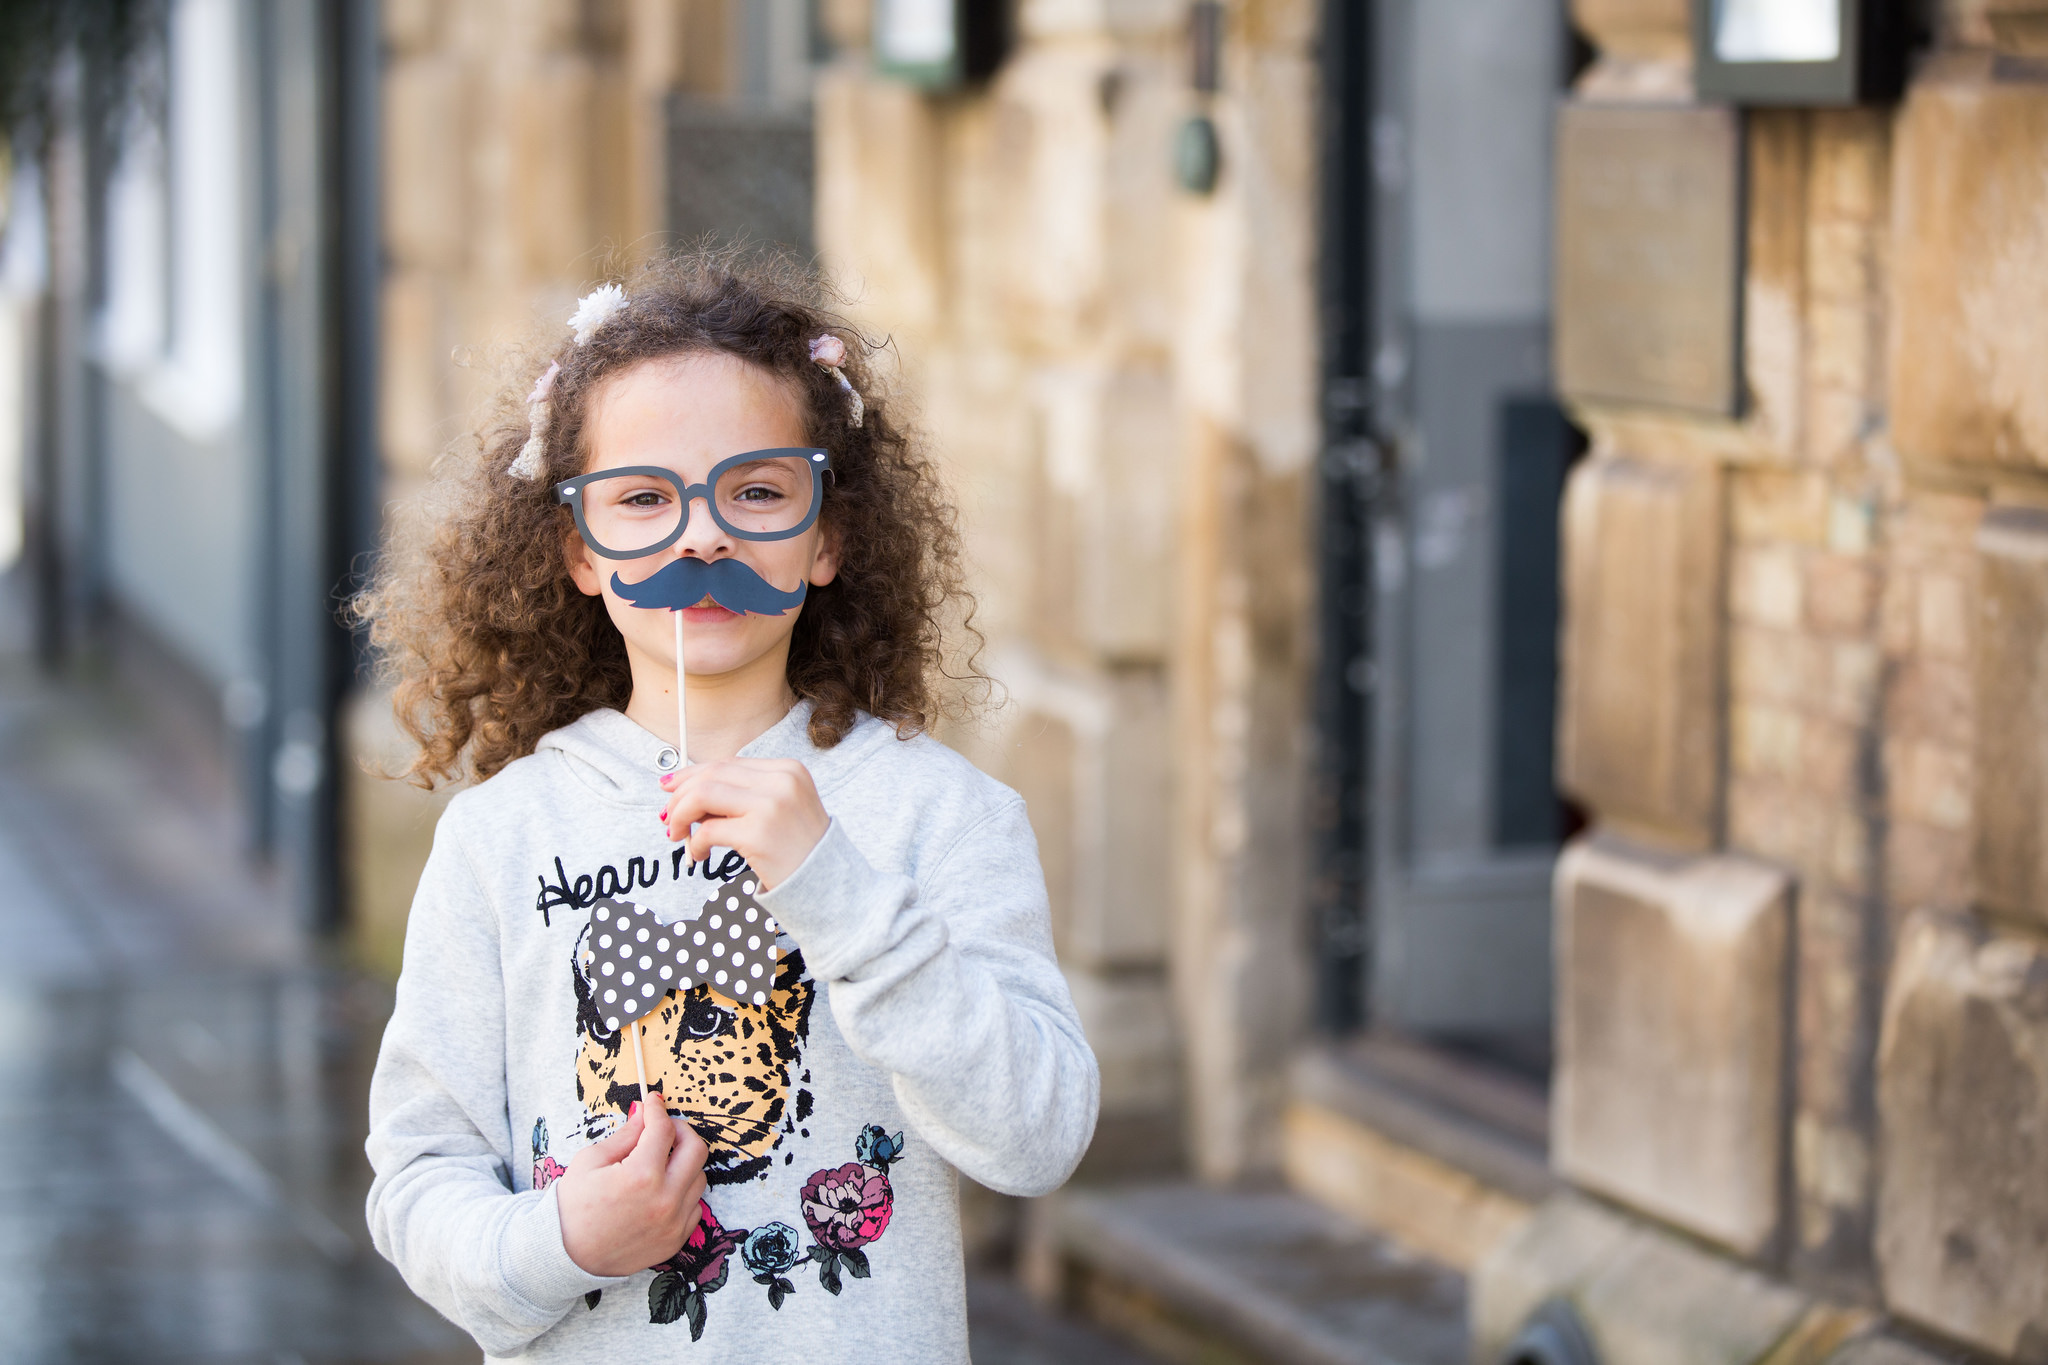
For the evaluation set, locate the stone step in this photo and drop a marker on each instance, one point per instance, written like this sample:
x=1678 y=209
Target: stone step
x=1444 y=1156
x=1222 y=1276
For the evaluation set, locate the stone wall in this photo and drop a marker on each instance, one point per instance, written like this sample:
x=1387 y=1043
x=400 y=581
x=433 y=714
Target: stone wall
x=1848 y=685
x=1119 y=377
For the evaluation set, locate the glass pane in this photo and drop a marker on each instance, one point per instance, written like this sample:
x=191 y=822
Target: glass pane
x=914 y=32
x=1778 y=30
x=768 y=495
x=629 y=512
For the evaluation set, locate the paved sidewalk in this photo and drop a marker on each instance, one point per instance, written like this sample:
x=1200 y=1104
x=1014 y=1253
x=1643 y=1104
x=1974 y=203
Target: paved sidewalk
x=182 y=1079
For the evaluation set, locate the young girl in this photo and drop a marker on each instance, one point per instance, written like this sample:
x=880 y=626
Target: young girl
x=701 y=445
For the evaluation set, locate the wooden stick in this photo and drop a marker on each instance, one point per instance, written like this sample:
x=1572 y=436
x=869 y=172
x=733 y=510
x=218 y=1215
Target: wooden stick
x=640 y=1065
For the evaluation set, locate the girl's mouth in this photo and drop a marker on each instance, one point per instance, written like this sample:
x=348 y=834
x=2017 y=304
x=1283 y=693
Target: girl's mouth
x=707 y=612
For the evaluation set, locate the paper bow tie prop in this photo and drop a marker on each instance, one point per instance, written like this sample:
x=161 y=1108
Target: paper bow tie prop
x=634 y=960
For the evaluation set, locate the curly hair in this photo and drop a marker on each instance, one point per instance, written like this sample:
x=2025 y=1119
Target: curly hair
x=471 y=609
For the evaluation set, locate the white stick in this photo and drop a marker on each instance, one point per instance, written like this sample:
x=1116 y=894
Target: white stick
x=682 y=716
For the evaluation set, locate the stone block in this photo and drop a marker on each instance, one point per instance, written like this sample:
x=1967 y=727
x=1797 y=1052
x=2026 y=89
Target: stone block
x=1962 y=1098
x=1767 y=587
x=1927 y=866
x=1852 y=670
x=879 y=170
x=1969 y=317
x=1841 y=346
x=1646 y=1297
x=1962 y=23
x=1140 y=197
x=1774 y=665
x=1106 y=541
x=1640 y=713
x=1128 y=1017
x=2011 y=695
x=409 y=25
x=411 y=360
x=1785 y=506
x=1038 y=251
x=1636 y=29
x=1087 y=752
x=1942 y=614
x=1413 y=1196
x=1849 y=164
x=1775 y=819
x=1669 y=1092
x=1766 y=741
x=1931 y=699
x=1930 y=783
x=1774 y=286
x=1841 y=265
x=554 y=167
x=1882 y=1348
x=2018 y=26
x=1276 y=344
x=423 y=162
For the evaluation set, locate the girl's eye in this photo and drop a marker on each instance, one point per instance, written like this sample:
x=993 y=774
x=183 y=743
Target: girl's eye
x=646 y=497
x=757 y=493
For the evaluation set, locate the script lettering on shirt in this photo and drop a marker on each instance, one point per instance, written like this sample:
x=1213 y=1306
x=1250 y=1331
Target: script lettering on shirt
x=578 y=893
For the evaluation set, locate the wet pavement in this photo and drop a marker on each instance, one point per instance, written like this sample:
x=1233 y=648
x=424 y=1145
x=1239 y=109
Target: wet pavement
x=182 y=1076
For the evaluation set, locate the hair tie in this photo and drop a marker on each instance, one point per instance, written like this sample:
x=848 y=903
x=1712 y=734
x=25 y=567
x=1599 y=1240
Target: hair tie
x=829 y=352
x=533 y=455
x=593 y=311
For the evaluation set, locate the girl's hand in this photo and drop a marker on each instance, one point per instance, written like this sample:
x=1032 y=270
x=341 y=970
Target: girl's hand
x=631 y=1200
x=765 y=808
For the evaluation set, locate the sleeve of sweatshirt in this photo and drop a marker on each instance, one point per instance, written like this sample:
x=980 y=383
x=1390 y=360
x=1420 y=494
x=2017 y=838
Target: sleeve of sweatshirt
x=442 y=1206
x=950 y=984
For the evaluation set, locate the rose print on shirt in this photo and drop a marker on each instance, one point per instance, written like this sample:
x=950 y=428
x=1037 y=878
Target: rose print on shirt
x=771 y=1252
x=848 y=1207
x=681 y=1282
x=546 y=1170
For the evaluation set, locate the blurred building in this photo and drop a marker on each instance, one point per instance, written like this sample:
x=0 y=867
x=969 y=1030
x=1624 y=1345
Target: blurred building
x=190 y=242
x=1518 y=571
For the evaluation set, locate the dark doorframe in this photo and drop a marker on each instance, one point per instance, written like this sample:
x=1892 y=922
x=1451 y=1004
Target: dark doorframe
x=1350 y=470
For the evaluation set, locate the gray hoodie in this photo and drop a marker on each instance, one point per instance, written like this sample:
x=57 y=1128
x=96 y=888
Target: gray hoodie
x=919 y=1026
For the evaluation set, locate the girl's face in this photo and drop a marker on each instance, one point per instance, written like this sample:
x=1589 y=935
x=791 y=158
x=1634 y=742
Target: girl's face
x=686 y=413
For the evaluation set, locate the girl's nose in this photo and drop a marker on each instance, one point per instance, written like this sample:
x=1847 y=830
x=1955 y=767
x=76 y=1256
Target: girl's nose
x=703 y=536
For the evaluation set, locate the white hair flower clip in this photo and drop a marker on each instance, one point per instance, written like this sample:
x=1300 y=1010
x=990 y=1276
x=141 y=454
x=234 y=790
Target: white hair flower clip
x=595 y=309
x=830 y=352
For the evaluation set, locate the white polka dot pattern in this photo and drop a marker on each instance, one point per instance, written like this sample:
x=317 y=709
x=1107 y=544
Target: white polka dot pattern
x=632 y=960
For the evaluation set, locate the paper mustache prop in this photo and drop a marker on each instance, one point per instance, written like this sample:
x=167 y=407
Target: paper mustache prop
x=634 y=960
x=731 y=583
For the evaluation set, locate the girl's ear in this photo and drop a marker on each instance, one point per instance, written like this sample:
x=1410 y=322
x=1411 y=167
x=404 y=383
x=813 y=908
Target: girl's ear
x=825 y=559
x=576 y=556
